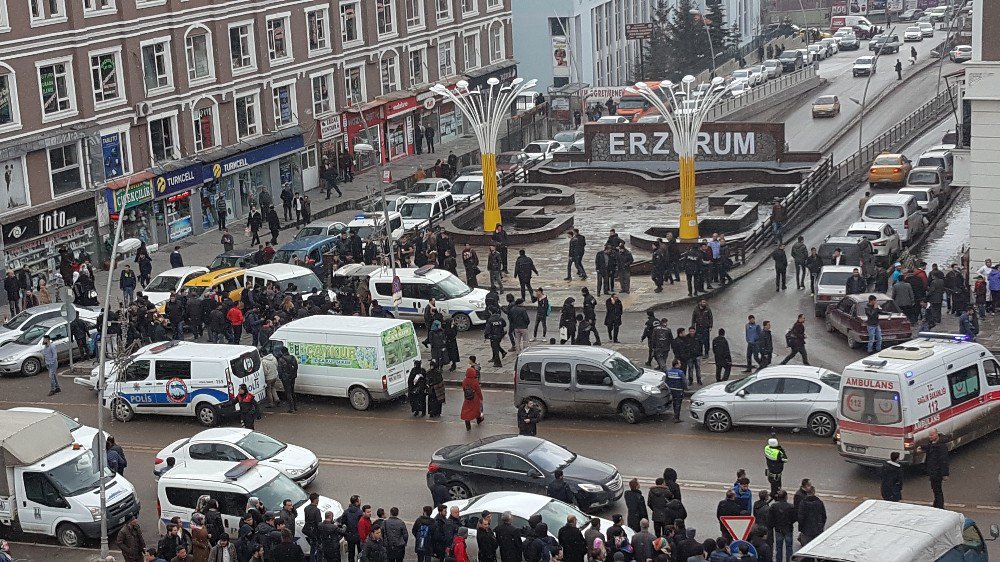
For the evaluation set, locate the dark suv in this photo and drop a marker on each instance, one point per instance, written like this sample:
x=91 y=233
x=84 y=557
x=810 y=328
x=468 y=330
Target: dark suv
x=884 y=44
x=791 y=60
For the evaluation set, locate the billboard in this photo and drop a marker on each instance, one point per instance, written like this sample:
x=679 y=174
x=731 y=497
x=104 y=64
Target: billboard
x=717 y=142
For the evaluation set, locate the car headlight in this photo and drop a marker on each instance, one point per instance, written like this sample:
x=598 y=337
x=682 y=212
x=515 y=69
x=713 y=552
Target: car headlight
x=295 y=471
x=95 y=512
x=592 y=488
x=650 y=389
x=697 y=403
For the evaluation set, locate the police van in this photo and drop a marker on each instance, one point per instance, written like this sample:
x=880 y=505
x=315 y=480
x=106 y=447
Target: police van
x=891 y=400
x=180 y=378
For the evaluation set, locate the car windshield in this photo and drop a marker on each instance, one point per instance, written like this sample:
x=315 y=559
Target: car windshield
x=632 y=103
x=838 y=278
x=622 y=368
x=508 y=159
x=453 y=287
x=162 y=284
x=278 y=490
x=886 y=161
x=285 y=256
x=788 y=55
x=930 y=161
x=467 y=187
x=741 y=74
x=18 y=319
x=830 y=379
x=71 y=424
x=311 y=231
x=913 y=29
x=826 y=100
x=261 y=446
x=864 y=60
x=561 y=136
x=549 y=456
x=555 y=513
x=363 y=232
x=923 y=178
x=197 y=292
x=771 y=63
x=415 y=210
x=866 y=234
x=884 y=211
x=77 y=475
x=423 y=186
x=304 y=283
x=224 y=261
x=32 y=335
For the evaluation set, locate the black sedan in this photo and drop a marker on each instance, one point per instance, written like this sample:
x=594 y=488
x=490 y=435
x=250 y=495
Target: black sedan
x=233 y=258
x=520 y=463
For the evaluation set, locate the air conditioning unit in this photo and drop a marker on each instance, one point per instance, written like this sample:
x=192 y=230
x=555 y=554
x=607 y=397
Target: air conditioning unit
x=143 y=109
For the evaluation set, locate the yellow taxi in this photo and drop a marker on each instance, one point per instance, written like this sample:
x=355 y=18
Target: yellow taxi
x=889 y=169
x=230 y=279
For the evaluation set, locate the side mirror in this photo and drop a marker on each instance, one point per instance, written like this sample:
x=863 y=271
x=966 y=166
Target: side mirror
x=994 y=532
x=741 y=393
x=532 y=473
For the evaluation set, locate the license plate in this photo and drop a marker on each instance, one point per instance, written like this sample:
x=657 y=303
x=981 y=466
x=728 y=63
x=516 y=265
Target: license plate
x=855 y=448
x=395 y=377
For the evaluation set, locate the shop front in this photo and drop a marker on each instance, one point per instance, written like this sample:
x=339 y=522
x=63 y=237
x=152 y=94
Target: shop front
x=176 y=203
x=135 y=202
x=332 y=139
x=365 y=127
x=399 y=116
x=35 y=240
x=440 y=114
x=241 y=178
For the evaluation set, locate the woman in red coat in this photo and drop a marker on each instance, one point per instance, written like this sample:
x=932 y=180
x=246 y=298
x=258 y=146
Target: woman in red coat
x=472 y=406
x=458 y=547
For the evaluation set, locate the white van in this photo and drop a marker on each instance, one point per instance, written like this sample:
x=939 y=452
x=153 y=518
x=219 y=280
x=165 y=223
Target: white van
x=232 y=485
x=181 y=378
x=283 y=274
x=891 y=400
x=365 y=225
x=468 y=188
x=902 y=212
x=421 y=210
x=363 y=359
x=465 y=305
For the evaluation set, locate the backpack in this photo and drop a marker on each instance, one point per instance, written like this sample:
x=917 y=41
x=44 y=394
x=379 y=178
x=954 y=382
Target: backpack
x=423 y=539
x=468 y=393
x=789 y=338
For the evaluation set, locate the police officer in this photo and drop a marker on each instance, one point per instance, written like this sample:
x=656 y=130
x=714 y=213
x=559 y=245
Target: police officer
x=775 y=457
x=662 y=340
x=677 y=386
x=496 y=329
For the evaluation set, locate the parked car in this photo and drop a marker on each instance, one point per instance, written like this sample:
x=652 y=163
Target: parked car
x=234 y=444
x=832 y=46
x=819 y=51
x=568 y=137
x=831 y=285
x=826 y=106
x=23 y=355
x=737 y=89
x=928 y=202
x=942 y=158
x=610 y=120
x=913 y=33
x=863 y=66
x=842 y=32
x=849 y=42
x=233 y=258
x=467 y=188
x=522 y=463
x=848 y=317
x=429 y=185
x=808 y=56
x=928 y=176
x=541 y=149
x=515 y=162
x=926 y=28
x=648 y=118
x=322 y=227
x=889 y=169
x=25 y=319
x=82 y=434
x=912 y=14
x=855 y=251
x=882 y=236
x=961 y=53
x=791 y=60
x=748 y=75
x=773 y=67
x=779 y=396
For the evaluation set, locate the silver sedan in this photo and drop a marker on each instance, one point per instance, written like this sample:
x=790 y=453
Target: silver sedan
x=780 y=396
x=23 y=355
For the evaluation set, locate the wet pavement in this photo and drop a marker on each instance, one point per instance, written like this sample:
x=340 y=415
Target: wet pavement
x=947 y=243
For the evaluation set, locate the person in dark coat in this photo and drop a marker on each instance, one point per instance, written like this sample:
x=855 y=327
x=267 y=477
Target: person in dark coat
x=249 y=408
x=416 y=389
x=657 y=499
x=572 y=541
x=273 y=223
x=727 y=507
x=509 y=539
x=451 y=342
x=528 y=416
x=613 y=316
x=439 y=490
x=524 y=268
x=811 y=518
x=936 y=464
x=723 y=356
x=330 y=534
x=486 y=539
x=891 y=475
x=559 y=489
x=635 y=504
x=567 y=321
x=780 y=260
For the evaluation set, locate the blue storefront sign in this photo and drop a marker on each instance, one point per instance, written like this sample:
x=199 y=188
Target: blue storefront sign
x=180 y=228
x=183 y=179
x=111 y=147
x=252 y=157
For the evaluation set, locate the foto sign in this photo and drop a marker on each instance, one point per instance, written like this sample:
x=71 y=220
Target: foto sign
x=717 y=142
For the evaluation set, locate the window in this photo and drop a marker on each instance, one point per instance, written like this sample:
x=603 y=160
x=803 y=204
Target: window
x=241 y=47
x=97 y=7
x=204 y=128
x=284 y=105
x=38 y=489
x=105 y=78
x=278 y=42
x=497 y=50
x=166 y=370
x=992 y=370
x=156 y=66
x=870 y=406
x=9 y=113
x=799 y=386
x=354 y=85
x=470 y=7
x=443 y=10
x=137 y=371
x=389 y=71
x=198 y=47
x=321 y=88
x=65 y=171
x=764 y=386
x=414 y=14
x=318 y=30
x=588 y=375
x=446 y=58
x=557 y=373
x=183 y=497
x=202 y=452
x=530 y=372
x=115 y=147
x=163 y=138
x=56 y=86
x=418 y=66
x=247 y=116
x=47 y=11
x=350 y=22
x=514 y=463
x=384 y=17
x=964 y=384
x=231 y=503
x=494 y=4
x=480 y=460
x=470 y=47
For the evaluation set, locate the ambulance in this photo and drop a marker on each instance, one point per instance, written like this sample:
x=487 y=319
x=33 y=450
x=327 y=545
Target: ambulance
x=891 y=400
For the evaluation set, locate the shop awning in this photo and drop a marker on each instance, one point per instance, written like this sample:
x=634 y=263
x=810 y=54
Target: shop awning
x=243 y=146
x=130 y=179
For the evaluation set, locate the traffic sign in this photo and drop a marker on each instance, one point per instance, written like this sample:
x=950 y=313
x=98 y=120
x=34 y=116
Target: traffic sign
x=739 y=526
x=734 y=548
x=638 y=31
x=397 y=290
x=68 y=311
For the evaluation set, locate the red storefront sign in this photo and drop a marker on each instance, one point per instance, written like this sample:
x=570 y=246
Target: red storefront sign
x=399 y=107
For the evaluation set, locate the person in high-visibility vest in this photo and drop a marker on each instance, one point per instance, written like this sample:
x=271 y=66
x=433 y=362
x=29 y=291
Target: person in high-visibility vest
x=775 y=456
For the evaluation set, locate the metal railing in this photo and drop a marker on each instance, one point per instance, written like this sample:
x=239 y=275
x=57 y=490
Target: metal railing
x=762 y=92
x=797 y=200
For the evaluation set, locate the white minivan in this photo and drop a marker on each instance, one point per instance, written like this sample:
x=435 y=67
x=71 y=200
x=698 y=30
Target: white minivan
x=421 y=210
x=180 y=378
x=902 y=212
x=363 y=359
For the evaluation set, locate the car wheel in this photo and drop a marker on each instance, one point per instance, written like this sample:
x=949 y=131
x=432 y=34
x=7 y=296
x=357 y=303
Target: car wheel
x=829 y=324
x=631 y=411
x=458 y=491
x=121 y=410
x=462 y=321
x=718 y=421
x=360 y=398
x=543 y=410
x=70 y=535
x=207 y=415
x=822 y=424
x=852 y=341
x=31 y=367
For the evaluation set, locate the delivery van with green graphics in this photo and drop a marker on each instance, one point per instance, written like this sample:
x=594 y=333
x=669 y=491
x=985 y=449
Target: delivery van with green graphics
x=363 y=359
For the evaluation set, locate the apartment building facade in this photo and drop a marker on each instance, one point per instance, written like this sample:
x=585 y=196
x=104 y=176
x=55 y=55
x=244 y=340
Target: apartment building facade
x=167 y=110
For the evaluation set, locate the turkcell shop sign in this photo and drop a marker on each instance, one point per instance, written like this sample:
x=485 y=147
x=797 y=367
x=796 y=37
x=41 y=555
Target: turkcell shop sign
x=336 y=356
x=252 y=157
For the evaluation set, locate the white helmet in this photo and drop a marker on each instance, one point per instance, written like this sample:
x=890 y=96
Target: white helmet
x=772 y=442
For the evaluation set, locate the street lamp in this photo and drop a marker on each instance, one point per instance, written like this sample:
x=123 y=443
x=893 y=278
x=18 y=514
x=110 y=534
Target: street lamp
x=704 y=19
x=685 y=120
x=366 y=147
x=486 y=111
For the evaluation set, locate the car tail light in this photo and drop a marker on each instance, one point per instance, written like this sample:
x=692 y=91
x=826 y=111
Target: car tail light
x=873 y=171
x=906 y=224
x=157 y=461
x=896 y=170
x=433 y=467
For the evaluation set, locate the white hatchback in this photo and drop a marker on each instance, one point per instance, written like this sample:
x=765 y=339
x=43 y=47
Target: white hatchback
x=158 y=290
x=883 y=237
x=228 y=445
